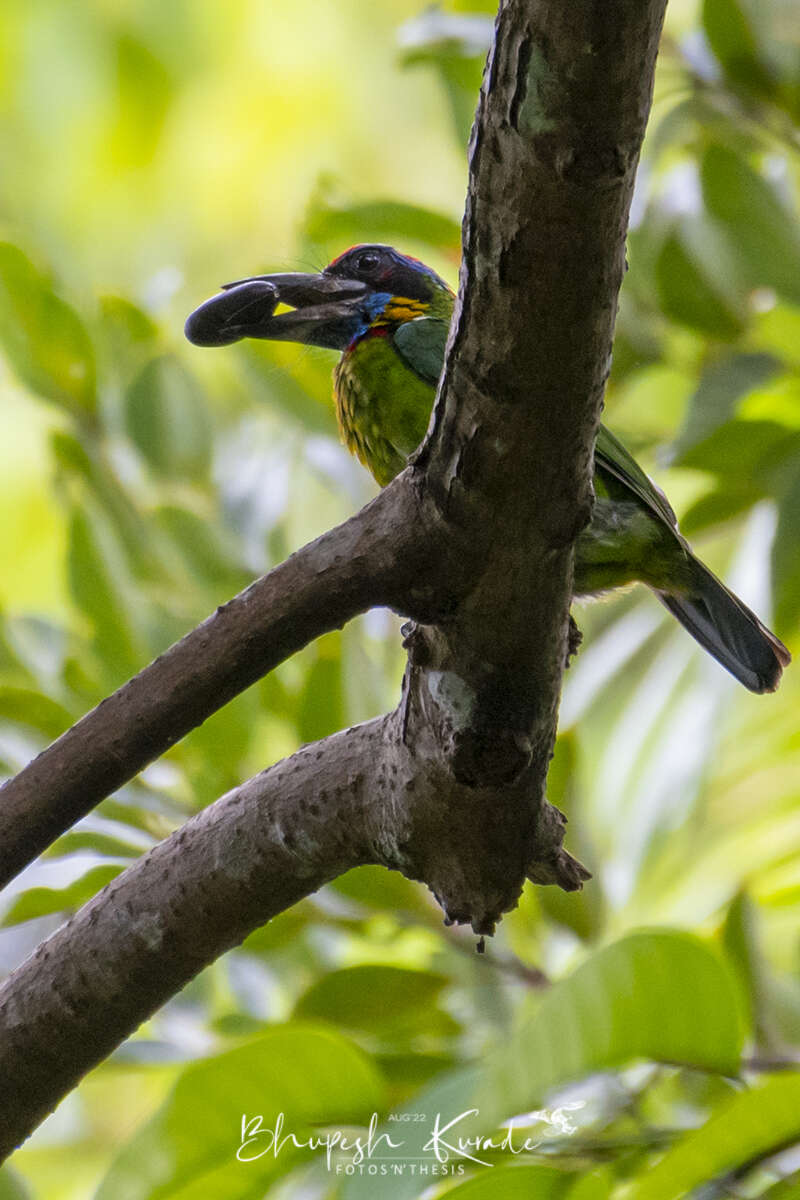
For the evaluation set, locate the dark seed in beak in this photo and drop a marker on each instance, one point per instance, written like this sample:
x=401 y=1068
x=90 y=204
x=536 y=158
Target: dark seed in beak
x=223 y=318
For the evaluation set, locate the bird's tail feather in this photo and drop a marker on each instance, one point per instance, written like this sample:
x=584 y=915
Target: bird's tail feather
x=729 y=631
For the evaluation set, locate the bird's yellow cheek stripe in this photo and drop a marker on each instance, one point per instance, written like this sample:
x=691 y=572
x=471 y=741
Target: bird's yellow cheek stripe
x=401 y=308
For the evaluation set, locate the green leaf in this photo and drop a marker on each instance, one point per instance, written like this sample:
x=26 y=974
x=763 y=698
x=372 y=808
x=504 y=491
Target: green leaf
x=12 y=1185
x=331 y=221
x=28 y=707
x=207 y=553
x=43 y=337
x=282 y=931
x=321 y=708
x=167 y=420
x=731 y=36
x=456 y=46
x=102 y=588
x=594 y=1185
x=128 y=335
x=691 y=295
x=719 y=506
x=718 y=394
x=524 y=1182
x=212 y=753
x=778 y=332
x=157 y=816
x=583 y=912
x=751 y=1126
x=313 y=1076
x=406 y=1073
x=784 y=1007
x=785 y=558
x=392 y=1001
x=90 y=464
x=478 y=6
x=461 y=80
x=750 y=451
x=377 y=888
x=636 y=342
x=763 y=233
x=39 y=901
x=659 y=995
x=285 y=389
x=143 y=94
x=100 y=843
x=740 y=939
x=776 y=400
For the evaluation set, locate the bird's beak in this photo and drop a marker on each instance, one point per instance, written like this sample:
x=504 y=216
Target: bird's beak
x=326 y=311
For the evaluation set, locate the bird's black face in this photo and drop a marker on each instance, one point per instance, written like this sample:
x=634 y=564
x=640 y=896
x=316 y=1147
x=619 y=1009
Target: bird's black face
x=383 y=269
x=330 y=309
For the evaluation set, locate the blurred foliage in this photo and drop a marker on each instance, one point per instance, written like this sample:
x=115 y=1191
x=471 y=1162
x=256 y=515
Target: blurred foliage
x=149 y=152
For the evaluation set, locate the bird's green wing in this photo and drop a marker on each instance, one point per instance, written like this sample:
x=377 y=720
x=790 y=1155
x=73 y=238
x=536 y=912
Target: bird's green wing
x=420 y=343
x=611 y=456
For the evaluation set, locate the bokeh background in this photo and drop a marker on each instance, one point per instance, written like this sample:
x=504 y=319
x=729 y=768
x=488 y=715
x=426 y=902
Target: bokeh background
x=151 y=151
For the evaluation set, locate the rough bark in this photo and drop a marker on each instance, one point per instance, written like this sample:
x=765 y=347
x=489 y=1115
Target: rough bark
x=554 y=151
x=251 y=855
x=473 y=542
x=356 y=566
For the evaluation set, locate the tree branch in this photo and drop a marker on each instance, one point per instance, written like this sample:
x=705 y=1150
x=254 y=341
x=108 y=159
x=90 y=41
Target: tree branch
x=554 y=151
x=354 y=567
x=474 y=542
x=254 y=853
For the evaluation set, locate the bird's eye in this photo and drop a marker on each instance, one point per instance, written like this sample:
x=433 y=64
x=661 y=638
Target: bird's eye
x=368 y=261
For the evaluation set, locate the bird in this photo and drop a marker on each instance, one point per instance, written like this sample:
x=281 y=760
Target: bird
x=388 y=316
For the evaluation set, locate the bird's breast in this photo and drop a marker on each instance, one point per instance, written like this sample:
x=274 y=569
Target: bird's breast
x=363 y=386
